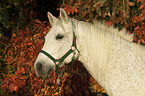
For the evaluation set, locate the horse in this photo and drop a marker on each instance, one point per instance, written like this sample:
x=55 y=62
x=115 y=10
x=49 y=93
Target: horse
x=109 y=55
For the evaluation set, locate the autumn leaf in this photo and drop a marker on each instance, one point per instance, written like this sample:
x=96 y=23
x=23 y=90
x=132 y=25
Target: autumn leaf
x=143 y=28
x=108 y=23
x=74 y=10
x=38 y=21
x=142 y=6
x=29 y=43
x=143 y=11
x=17 y=72
x=139 y=41
x=26 y=68
x=12 y=87
x=23 y=70
x=23 y=77
x=130 y=3
x=16 y=88
x=96 y=4
x=10 y=52
x=143 y=41
x=136 y=28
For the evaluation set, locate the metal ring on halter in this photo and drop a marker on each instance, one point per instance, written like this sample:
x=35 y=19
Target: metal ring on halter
x=73 y=48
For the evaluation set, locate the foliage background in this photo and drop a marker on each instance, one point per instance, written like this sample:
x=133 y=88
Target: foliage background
x=23 y=27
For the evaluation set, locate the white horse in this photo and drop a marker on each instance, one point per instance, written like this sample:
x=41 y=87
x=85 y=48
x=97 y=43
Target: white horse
x=110 y=56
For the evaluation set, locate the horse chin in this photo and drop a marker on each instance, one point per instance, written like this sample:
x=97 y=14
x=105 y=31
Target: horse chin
x=44 y=75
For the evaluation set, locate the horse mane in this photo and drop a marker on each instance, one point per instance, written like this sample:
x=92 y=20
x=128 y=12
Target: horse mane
x=122 y=33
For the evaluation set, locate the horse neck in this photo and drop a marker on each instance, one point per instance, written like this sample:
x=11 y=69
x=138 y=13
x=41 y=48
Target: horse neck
x=95 y=46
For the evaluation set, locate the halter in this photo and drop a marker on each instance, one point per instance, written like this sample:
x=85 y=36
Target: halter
x=58 y=62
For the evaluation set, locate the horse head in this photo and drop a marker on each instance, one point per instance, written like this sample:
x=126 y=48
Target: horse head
x=59 y=47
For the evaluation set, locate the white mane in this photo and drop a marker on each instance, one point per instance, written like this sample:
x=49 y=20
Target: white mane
x=112 y=58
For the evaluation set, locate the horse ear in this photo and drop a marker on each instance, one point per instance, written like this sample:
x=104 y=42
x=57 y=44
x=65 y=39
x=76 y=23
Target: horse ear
x=63 y=15
x=52 y=19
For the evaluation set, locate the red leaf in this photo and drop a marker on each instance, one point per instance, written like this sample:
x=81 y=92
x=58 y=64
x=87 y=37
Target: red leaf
x=136 y=28
x=12 y=76
x=138 y=41
x=28 y=54
x=29 y=43
x=143 y=11
x=23 y=60
x=31 y=64
x=16 y=88
x=17 y=72
x=137 y=33
x=130 y=3
x=23 y=77
x=143 y=28
x=32 y=71
x=54 y=81
x=108 y=23
x=44 y=22
x=22 y=70
x=10 y=61
x=11 y=87
x=141 y=7
x=138 y=1
x=15 y=48
x=10 y=52
x=26 y=68
x=38 y=21
x=74 y=10
x=143 y=41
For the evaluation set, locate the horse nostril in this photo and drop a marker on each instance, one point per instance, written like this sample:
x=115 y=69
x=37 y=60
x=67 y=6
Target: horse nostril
x=39 y=67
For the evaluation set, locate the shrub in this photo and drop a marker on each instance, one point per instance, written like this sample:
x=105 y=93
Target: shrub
x=20 y=55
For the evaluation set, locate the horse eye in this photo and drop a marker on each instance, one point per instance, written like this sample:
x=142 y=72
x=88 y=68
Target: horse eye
x=59 y=36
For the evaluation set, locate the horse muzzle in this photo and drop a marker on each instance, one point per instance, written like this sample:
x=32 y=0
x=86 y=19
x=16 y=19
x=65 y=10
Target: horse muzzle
x=42 y=70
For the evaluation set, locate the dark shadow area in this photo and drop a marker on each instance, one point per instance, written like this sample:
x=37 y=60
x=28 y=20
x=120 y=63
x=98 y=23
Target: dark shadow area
x=43 y=6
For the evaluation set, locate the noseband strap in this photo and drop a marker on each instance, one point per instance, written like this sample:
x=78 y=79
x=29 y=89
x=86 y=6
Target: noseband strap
x=58 y=62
